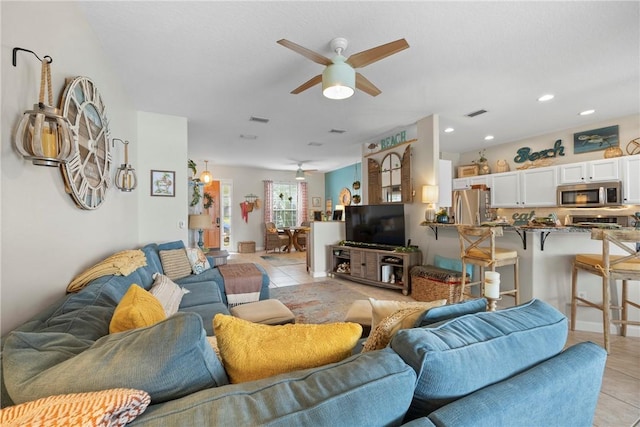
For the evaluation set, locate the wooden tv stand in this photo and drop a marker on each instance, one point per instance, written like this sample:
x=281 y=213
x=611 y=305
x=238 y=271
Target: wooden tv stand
x=365 y=266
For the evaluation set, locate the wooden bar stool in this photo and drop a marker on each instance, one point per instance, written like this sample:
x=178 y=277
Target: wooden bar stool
x=611 y=268
x=478 y=247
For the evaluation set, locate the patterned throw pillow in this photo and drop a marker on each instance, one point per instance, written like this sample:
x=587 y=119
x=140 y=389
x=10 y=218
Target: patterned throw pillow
x=137 y=309
x=114 y=407
x=198 y=260
x=383 y=308
x=251 y=351
x=168 y=293
x=175 y=263
x=381 y=335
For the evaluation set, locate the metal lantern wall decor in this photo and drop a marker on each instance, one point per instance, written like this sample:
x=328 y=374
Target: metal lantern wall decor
x=43 y=135
x=126 y=179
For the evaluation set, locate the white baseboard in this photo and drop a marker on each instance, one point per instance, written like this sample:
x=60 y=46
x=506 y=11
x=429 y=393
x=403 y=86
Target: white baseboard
x=318 y=273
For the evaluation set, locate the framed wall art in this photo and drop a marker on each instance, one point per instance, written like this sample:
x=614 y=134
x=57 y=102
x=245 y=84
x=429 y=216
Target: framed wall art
x=163 y=183
x=315 y=202
x=595 y=140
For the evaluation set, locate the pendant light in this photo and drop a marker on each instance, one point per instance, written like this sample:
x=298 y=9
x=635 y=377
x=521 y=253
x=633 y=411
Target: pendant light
x=126 y=179
x=43 y=135
x=300 y=173
x=206 y=176
x=338 y=79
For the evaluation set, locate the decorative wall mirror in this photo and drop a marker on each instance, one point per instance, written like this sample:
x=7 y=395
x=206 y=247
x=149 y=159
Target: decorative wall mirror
x=391 y=178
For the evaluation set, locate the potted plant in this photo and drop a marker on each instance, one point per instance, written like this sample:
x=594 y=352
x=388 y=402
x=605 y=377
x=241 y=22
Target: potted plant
x=356 y=199
x=442 y=216
x=356 y=185
x=483 y=163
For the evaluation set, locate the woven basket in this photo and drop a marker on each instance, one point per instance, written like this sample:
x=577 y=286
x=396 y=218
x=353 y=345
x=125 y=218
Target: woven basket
x=248 y=247
x=430 y=283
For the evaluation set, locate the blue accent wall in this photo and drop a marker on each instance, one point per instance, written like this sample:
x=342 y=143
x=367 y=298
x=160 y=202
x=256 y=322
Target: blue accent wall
x=336 y=180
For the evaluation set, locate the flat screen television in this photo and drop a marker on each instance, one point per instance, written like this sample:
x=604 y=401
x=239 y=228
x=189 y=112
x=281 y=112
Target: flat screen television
x=375 y=224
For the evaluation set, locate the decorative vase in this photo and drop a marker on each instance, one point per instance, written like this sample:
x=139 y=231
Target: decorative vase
x=442 y=219
x=483 y=168
x=613 y=151
x=502 y=166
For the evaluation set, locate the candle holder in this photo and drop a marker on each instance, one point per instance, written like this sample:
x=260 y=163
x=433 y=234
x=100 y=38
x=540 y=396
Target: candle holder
x=491 y=303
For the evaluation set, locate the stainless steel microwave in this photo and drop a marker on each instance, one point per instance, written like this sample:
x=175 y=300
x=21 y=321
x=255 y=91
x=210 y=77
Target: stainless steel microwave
x=595 y=194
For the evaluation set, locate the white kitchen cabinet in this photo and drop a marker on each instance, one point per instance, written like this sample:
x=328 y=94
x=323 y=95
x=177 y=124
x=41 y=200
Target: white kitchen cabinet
x=505 y=190
x=531 y=187
x=466 y=183
x=538 y=187
x=630 y=168
x=593 y=171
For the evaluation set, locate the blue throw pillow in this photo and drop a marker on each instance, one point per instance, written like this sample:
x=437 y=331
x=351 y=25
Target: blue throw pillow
x=450 y=311
x=470 y=352
x=170 y=359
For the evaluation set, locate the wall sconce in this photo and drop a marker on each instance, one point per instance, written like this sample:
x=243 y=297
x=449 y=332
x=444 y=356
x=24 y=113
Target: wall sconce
x=43 y=135
x=126 y=179
x=206 y=176
x=200 y=222
x=430 y=196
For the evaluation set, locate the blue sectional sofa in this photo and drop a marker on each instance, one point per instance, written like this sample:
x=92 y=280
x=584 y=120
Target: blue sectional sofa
x=459 y=366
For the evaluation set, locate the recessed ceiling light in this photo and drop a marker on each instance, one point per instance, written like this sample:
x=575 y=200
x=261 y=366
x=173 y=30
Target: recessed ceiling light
x=449 y=130
x=488 y=137
x=547 y=97
x=587 y=112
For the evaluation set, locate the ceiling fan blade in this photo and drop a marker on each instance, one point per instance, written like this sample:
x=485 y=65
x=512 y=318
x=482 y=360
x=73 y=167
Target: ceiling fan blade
x=310 y=83
x=366 y=86
x=366 y=57
x=315 y=57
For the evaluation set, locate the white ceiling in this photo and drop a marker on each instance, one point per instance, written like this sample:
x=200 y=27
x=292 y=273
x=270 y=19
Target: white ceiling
x=218 y=63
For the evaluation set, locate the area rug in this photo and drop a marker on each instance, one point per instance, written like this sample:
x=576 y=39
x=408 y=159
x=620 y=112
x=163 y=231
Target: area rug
x=317 y=302
x=279 y=260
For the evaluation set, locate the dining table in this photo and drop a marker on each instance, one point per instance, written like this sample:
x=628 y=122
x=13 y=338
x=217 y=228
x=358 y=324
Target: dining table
x=293 y=233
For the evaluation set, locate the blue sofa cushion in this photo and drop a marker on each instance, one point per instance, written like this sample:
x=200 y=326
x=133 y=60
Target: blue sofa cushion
x=450 y=311
x=470 y=352
x=169 y=360
x=369 y=389
x=207 y=312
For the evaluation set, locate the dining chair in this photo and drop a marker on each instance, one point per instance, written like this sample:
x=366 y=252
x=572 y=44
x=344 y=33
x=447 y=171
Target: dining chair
x=273 y=239
x=478 y=247
x=610 y=268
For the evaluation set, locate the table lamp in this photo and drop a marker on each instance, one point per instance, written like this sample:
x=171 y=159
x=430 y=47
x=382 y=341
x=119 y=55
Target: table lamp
x=200 y=222
x=430 y=197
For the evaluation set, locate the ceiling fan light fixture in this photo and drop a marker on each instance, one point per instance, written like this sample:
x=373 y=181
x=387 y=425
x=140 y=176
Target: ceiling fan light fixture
x=299 y=174
x=338 y=79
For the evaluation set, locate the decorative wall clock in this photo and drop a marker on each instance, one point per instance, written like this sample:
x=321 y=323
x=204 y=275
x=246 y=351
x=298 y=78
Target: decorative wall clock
x=87 y=170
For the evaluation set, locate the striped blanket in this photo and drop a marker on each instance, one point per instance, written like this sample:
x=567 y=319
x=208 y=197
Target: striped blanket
x=242 y=283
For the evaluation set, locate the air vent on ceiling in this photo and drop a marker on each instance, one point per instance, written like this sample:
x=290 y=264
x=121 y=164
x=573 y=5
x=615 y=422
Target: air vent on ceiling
x=247 y=136
x=337 y=131
x=315 y=144
x=476 y=113
x=258 y=119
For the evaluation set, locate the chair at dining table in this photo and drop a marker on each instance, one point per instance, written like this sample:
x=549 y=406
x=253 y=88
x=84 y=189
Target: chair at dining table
x=302 y=234
x=273 y=239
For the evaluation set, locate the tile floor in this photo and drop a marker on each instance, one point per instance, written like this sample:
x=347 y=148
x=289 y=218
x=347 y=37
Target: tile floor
x=619 y=403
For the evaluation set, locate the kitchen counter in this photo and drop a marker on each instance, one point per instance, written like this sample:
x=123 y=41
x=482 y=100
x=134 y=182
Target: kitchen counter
x=520 y=229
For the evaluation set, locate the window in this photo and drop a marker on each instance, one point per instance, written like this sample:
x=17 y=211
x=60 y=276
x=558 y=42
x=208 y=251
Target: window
x=285 y=204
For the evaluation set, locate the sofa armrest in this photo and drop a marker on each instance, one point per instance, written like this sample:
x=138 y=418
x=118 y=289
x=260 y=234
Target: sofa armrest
x=560 y=391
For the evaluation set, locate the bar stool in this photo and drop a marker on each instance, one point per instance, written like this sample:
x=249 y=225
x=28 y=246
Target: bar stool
x=611 y=268
x=478 y=247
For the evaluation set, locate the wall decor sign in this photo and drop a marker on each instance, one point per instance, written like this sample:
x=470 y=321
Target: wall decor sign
x=596 y=139
x=393 y=140
x=525 y=154
x=163 y=183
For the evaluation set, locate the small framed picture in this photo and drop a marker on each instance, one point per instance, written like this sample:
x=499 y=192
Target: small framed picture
x=337 y=215
x=315 y=202
x=163 y=183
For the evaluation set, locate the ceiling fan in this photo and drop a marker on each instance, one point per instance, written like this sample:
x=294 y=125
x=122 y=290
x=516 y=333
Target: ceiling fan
x=300 y=173
x=339 y=79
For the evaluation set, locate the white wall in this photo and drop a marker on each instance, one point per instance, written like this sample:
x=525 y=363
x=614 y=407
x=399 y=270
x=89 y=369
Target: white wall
x=46 y=239
x=162 y=145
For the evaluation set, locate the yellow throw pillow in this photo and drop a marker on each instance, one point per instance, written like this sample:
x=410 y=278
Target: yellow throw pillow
x=137 y=309
x=383 y=308
x=251 y=351
x=113 y=407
